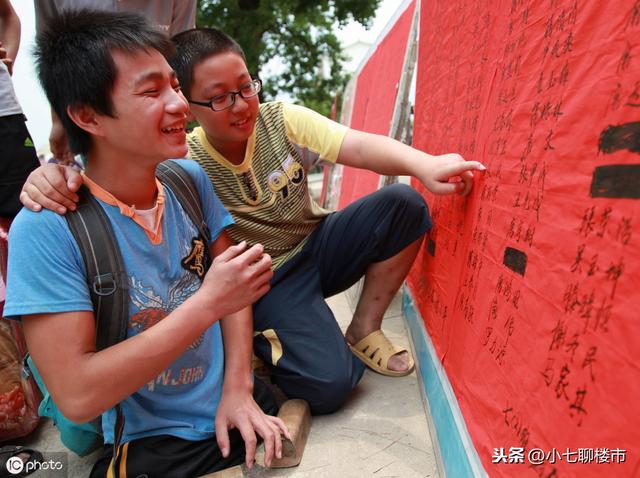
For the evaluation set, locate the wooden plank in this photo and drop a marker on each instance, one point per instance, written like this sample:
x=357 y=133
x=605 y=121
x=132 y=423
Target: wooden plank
x=296 y=415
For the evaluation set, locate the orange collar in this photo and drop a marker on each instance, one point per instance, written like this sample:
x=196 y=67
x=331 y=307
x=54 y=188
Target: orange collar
x=155 y=234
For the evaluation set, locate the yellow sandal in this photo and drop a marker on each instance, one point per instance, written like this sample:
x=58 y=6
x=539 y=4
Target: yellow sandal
x=376 y=349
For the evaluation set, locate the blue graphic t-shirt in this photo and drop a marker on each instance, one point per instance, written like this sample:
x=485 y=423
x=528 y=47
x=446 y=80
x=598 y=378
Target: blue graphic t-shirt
x=46 y=275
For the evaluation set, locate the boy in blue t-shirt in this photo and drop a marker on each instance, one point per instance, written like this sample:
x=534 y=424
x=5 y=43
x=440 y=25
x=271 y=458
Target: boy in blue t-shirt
x=106 y=76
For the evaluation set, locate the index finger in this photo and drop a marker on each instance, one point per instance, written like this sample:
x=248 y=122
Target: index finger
x=64 y=178
x=232 y=251
x=456 y=169
x=251 y=255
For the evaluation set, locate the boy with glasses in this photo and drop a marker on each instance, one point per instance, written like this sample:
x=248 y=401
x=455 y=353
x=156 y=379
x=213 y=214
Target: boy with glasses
x=257 y=156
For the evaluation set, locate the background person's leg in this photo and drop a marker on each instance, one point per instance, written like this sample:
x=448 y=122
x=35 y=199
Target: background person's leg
x=17 y=159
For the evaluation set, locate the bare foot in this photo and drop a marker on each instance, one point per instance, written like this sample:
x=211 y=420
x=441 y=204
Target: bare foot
x=398 y=362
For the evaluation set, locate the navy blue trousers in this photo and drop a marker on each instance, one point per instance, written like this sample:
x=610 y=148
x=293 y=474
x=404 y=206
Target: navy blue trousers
x=313 y=360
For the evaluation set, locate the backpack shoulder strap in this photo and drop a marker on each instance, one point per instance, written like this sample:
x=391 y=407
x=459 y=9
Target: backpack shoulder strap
x=105 y=272
x=106 y=278
x=185 y=190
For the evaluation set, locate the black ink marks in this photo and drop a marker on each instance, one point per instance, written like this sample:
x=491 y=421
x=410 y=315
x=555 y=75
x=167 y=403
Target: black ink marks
x=616 y=181
x=517 y=424
x=634 y=96
x=625 y=59
x=431 y=247
x=433 y=297
x=633 y=19
x=624 y=136
x=577 y=407
x=515 y=260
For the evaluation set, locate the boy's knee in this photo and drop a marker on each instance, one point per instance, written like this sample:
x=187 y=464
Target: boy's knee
x=407 y=196
x=326 y=394
x=409 y=206
x=330 y=396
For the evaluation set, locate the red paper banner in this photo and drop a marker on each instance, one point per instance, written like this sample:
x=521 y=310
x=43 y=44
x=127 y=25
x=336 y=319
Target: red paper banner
x=528 y=287
x=375 y=98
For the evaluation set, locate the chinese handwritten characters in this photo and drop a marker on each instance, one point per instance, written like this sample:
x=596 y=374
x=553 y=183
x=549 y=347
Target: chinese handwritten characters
x=529 y=287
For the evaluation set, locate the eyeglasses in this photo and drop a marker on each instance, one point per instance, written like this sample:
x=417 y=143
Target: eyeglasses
x=227 y=100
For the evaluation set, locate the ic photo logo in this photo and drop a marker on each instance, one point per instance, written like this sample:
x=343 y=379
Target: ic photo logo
x=16 y=466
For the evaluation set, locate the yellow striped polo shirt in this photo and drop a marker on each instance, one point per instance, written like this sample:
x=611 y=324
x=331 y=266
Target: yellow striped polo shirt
x=267 y=194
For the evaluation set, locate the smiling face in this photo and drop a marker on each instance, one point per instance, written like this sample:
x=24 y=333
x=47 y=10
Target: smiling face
x=150 y=111
x=226 y=130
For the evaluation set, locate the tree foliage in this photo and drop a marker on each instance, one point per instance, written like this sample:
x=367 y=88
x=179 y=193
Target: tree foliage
x=299 y=32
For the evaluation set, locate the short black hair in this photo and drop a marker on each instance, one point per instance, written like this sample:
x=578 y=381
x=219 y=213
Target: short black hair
x=196 y=45
x=75 y=65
